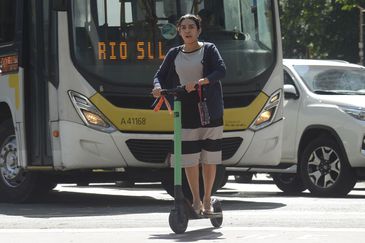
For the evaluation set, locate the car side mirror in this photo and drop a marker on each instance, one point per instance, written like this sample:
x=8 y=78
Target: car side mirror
x=290 y=92
x=59 y=5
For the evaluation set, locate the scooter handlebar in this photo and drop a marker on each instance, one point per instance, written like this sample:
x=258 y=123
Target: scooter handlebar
x=176 y=91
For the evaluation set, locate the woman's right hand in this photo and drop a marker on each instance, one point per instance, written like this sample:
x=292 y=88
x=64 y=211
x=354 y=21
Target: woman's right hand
x=156 y=92
x=189 y=87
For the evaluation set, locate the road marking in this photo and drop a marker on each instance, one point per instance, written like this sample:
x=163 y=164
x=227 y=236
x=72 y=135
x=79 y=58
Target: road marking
x=159 y=229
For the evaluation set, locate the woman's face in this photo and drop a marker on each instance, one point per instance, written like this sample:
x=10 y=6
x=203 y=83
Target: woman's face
x=189 y=31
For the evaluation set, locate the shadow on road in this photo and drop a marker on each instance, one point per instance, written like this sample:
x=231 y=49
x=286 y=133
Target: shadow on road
x=77 y=204
x=68 y=203
x=190 y=236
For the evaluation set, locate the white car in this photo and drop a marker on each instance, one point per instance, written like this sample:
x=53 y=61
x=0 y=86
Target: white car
x=324 y=127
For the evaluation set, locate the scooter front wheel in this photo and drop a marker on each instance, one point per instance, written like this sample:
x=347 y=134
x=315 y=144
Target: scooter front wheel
x=178 y=221
x=217 y=206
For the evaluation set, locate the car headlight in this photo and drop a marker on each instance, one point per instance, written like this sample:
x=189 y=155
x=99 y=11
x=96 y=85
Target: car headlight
x=356 y=112
x=89 y=114
x=267 y=114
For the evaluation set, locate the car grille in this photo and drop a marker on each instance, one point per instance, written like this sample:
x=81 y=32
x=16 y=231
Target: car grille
x=155 y=151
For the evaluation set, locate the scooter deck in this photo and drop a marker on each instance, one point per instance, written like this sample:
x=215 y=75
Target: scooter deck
x=193 y=215
x=209 y=216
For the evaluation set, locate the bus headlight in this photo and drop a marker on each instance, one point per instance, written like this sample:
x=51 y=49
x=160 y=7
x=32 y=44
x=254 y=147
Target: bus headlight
x=264 y=117
x=89 y=114
x=267 y=114
x=94 y=119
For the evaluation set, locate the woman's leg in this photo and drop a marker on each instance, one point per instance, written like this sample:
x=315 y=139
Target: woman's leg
x=192 y=174
x=209 y=171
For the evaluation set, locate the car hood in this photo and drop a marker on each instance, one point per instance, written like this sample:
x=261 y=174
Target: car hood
x=344 y=100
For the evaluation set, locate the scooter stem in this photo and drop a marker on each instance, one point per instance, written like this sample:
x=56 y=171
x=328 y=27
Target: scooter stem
x=177 y=142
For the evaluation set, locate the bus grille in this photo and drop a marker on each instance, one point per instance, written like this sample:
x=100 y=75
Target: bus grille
x=155 y=151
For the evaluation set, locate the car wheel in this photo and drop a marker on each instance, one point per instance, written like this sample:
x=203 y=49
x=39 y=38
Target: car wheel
x=124 y=183
x=325 y=170
x=243 y=178
x=289 y=183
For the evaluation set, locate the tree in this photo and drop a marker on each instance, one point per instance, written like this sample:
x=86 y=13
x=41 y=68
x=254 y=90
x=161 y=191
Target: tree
x=350 y=4
x=319 y=29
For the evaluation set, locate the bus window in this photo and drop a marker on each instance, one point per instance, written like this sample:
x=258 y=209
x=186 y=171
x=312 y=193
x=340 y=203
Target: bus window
x=265 y=30
x=115 y=37
x=7 y=20
x=232 y=21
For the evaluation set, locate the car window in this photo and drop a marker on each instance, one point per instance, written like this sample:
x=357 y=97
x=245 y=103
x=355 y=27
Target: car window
x=332 y=78
x=356 y=80
x=288 y=79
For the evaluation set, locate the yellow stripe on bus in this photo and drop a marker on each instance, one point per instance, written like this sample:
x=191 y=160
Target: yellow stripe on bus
x=142 y=120
x=14 y=83
x=242 y=117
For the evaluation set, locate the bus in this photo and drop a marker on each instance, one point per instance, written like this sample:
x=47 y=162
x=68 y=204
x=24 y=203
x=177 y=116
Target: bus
x=75 y=89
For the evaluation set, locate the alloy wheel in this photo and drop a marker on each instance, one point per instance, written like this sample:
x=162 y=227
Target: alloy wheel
x=324 y=167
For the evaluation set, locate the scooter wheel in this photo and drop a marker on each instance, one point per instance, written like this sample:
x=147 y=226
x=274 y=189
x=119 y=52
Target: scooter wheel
x=217 y=206
x=178 y=221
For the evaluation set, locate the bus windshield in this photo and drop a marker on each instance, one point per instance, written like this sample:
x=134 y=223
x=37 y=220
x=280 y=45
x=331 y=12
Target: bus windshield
x=122 y=43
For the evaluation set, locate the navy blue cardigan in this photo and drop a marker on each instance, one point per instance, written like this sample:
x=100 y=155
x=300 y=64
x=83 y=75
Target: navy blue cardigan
x=214 y=69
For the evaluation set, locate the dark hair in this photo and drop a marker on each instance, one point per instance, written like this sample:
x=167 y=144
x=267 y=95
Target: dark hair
x=193 y=17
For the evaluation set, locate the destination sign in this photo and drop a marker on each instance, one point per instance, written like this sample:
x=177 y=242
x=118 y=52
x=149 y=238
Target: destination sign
x=140 y=50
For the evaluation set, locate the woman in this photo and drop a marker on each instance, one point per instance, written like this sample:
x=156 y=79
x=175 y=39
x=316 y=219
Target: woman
x=194 y=63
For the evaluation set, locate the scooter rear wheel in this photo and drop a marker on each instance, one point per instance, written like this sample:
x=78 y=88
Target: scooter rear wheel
x=178 y=221
x=217 y=206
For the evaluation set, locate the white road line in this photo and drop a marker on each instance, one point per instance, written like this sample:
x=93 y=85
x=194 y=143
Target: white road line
x=159 y=229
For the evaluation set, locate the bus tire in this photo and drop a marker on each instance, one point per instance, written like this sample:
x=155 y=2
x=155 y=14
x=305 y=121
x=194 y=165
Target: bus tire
x=168 y=183
x=16 y=185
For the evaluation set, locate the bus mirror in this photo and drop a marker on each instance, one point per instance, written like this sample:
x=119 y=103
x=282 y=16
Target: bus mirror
x=59 y=5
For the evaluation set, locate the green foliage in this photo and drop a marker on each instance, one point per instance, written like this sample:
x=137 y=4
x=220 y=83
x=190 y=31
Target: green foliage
x=320 y=29
x=350 y=4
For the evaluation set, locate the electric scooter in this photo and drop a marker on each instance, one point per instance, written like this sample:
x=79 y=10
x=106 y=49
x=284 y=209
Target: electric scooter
x=183 y=210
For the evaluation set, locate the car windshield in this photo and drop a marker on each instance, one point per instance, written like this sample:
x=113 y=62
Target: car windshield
x=332 y=79
x=123 y=42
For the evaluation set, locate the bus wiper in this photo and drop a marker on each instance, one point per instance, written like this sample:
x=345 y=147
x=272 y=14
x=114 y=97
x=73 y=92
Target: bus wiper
x=151 y=16
x=360 y=92
x=336 y=92
x=195 y=2
x=256 y=18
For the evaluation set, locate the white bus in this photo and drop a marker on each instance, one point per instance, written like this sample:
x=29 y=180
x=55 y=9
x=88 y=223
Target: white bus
x=75 y=83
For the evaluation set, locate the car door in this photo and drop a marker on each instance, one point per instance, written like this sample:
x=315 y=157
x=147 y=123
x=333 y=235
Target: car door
x=291 y=112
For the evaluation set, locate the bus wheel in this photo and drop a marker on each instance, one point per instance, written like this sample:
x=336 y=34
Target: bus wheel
x=16 y=185
x=168 y=183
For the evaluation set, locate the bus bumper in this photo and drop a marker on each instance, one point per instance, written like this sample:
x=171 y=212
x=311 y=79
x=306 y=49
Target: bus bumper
x=265 y=147
x=84 y=148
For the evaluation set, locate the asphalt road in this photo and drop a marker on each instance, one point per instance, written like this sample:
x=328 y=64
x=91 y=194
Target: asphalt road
x=256 y=212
